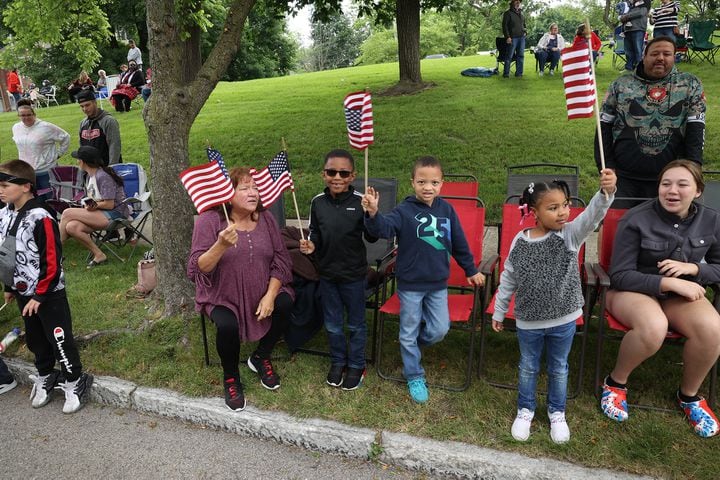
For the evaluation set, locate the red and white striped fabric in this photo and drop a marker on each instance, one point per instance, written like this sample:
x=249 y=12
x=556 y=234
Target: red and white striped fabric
x=207 y=186
x=579 y=81
x=359 y=119
x=274 y=179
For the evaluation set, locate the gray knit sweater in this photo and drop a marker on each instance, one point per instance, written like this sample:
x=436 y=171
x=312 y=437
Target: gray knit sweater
x=543 y=272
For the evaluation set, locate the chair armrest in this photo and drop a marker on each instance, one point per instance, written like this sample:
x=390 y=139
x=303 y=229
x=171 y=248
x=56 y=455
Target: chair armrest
x=489 y=265
x=602 y=276
x=590 y=276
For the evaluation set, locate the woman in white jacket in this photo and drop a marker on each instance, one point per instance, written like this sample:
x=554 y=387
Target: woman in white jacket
x=548 y=48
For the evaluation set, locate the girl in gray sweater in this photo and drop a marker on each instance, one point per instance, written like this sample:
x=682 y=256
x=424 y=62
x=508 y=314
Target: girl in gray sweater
x=542 y=271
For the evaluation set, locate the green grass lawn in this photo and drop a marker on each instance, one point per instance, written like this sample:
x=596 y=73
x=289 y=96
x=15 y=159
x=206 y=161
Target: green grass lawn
x=474 y=125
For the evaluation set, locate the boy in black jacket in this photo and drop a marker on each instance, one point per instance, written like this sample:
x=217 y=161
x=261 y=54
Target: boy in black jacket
x=336 y=238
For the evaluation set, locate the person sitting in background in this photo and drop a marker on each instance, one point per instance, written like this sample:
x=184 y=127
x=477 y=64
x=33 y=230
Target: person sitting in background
x=548 y=48
x=147 y=89
x=127 y=89
x=104 y=203
x=101 y=84
x=46 y=88
x=82 y=82
x=595 y=42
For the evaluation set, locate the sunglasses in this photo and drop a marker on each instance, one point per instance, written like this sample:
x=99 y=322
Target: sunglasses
x=331 y=172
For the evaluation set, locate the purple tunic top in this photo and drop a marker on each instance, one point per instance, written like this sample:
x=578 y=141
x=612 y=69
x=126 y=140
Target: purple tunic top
x=241 y=277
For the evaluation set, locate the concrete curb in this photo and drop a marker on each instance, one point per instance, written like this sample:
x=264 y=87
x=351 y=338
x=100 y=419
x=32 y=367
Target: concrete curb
x=455 y=459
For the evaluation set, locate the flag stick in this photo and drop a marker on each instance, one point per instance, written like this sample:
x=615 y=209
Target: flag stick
x=588 y=37
x=227 y=218
x=4 y=305
x=297 y=210
x=366 y=168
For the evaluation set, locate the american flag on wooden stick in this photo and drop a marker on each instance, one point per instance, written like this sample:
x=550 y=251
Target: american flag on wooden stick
x=579 y=82
x=359 y=118
x=215 y=155
x=274 y=179
x=207 y=185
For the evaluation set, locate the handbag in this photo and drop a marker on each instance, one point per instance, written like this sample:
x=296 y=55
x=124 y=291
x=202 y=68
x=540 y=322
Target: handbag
x=146 y=279
x=7 y=253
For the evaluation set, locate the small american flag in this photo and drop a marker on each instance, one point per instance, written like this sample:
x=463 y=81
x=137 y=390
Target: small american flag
x=215 y=155
x=207 y=185
x=579 y=81
x=359 y=118
x=274 y=179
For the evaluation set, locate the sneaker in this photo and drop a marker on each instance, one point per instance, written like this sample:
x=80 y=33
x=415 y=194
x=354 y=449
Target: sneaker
x=552 y=73
x=613 y=403
x=7 y=386
x=559 y=431
x=353 y=378
x=418 y=390
x=43 y=387
x=702 y=419
x=234 y=396
x=541 y=73
x=521 y=426
x=335 y=375
x=77 y=393
x=263 y=367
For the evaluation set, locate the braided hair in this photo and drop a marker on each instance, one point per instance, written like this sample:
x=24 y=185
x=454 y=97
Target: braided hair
x=536 y=190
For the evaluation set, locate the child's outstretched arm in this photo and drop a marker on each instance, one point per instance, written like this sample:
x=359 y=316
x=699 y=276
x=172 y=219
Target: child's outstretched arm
x=370 y=201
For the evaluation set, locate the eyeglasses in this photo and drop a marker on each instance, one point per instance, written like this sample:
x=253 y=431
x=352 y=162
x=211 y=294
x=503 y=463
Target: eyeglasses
x=26 y=115
x=331 y=172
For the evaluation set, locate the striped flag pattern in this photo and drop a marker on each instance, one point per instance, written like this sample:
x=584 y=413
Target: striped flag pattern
x=359 y=119
x=207 y=185
x=274 y=179
x=578 y=79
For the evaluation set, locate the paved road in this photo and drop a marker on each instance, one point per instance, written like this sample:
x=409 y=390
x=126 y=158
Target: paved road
x=110 y=443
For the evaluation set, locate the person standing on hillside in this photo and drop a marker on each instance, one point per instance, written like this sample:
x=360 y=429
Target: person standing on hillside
x=665 y=19
x=513 y=26
x=134 y=54
x=99 y=129
x=634 y=25
x=13 y=84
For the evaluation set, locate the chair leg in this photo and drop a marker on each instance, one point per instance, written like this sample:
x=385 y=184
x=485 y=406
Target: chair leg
x=205 y=341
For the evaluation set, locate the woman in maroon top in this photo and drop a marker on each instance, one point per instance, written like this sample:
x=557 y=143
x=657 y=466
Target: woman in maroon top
x=242 y=274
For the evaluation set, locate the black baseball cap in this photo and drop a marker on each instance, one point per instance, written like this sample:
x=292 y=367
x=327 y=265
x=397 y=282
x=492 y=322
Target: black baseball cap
x=85 y=95
x=87 y=152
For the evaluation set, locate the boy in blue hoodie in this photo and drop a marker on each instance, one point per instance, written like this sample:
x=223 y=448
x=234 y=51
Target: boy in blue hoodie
x=428 y=232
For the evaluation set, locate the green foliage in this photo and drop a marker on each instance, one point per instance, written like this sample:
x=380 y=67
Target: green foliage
x=380 y=47
x=336 y=43
x=78 y=27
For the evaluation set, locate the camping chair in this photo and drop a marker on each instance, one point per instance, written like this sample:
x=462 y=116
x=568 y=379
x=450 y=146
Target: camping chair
x=501 y=53
x=459 y=185
x=607 y=321
x=681 y=49
x=51 y=96
x=711 y=193
x=619 y=58
x=520 y=176
x=112 y=81
x=699 y=44
x=68 y=187
x=465 y=303
x=512 y=222
x=138 y=199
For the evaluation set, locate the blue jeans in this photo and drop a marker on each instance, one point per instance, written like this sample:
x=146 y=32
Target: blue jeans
x=517 y=45
x=336 y=299
x=424 y=320
x=557 y=342
x=544 y=55
x=664 y=32
x=633 y=48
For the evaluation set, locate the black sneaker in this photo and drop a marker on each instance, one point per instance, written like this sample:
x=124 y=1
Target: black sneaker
x=234 y=396
x=335 y=375
x=353 y=378
x=264 y=369
x=77 y=393
x=43 y=387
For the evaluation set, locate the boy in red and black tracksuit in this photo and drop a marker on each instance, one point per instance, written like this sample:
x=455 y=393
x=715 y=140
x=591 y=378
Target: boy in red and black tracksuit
x=38 y=285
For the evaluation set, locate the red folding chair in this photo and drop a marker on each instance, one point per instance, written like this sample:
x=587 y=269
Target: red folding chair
x=511 y=226
x=465 y=303
x=607 y=321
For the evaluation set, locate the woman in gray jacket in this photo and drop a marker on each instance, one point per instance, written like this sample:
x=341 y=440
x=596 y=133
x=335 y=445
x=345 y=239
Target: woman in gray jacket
x=665 y=251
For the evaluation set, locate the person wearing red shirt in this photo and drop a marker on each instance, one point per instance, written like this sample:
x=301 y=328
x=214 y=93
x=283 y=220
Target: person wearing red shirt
x=13 y=84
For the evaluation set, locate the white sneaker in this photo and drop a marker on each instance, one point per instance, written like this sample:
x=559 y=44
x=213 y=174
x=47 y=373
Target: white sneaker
x=42 y=390
x=559 y=431
x=77 y=393
x=552 y=72
x=541 y=73
x=521 y=426
x=6 y=387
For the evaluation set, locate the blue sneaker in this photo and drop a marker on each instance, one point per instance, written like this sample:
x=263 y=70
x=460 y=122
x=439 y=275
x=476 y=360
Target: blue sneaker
x=418 y=390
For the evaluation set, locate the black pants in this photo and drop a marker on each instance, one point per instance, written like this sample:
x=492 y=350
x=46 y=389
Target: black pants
x=227 y=340
x=48 y=335
x=122 y=103
x=5 y=375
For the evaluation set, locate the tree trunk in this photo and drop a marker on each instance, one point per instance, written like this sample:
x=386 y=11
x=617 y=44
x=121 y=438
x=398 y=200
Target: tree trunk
x=407 y=14
x=181 y=86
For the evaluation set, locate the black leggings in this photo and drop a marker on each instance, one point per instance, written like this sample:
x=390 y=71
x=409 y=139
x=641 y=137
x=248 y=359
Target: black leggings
x=227 y=340
x=122 y=103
